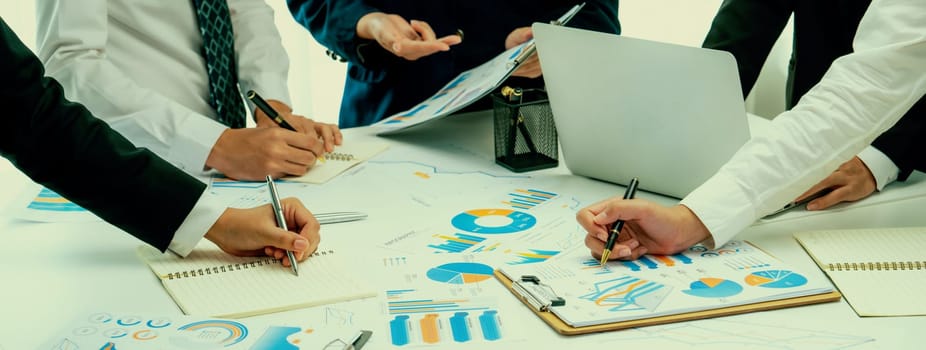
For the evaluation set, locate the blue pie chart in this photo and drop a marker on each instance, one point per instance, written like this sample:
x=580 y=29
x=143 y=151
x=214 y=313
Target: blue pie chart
x=493 y=221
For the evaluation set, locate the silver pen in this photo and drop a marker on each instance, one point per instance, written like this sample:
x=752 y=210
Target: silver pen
x=340 y=216
x=281 y=221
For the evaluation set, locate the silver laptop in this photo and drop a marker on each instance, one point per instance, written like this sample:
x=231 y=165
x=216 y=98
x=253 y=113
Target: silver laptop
x=670 y=115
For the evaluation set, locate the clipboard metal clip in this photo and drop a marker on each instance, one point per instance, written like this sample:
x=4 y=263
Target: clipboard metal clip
x=540 y=296
x=530 y=47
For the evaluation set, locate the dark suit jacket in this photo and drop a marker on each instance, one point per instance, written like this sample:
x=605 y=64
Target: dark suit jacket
x=60 y=145
x=380 y=84
x=823 y=31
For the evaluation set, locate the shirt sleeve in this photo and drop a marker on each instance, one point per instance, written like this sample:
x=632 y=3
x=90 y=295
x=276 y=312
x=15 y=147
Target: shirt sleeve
x=73 y=48
x=204 y=214
x=861 y=95
x=882 y=168
x=263 y=64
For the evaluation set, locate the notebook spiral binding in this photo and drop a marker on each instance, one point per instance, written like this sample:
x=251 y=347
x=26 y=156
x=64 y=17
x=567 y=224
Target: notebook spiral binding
x=879 y=266
x=234 y=267
x=340 y=156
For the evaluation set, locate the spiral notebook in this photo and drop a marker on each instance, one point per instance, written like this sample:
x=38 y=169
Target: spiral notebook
x=344 y=157
x=881 y=272
x=209 y=282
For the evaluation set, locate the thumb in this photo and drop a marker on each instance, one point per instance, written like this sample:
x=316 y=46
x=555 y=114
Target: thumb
x=287 y=240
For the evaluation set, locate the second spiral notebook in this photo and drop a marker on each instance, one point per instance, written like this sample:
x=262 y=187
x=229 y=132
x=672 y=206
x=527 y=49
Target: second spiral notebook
x=209 y=282
x=344 y=157
x=879 y=270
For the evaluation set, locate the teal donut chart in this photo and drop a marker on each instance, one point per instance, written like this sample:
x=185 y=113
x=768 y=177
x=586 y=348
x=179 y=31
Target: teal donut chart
x=520 y=221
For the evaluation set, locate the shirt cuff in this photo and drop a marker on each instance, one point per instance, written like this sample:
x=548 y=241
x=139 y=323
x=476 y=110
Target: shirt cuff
x=205 y=213
x=723 y=206
x=195 y=138
x=881 y=166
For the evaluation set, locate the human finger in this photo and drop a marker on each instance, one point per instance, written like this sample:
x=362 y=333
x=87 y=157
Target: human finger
x=423 y=29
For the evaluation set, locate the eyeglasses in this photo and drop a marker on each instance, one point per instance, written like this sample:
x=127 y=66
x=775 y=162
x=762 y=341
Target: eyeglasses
x=339 y=344
x=355 y=343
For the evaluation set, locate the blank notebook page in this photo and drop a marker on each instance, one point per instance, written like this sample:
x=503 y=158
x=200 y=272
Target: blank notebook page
x=213 y=283
x=881 y=272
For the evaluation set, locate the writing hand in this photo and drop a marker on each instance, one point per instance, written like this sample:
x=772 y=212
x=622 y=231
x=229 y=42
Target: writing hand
x=252 y=232
x=648 y=228
x=851 y=182
x=329 y=133
x=410 y=40
x=252 y=153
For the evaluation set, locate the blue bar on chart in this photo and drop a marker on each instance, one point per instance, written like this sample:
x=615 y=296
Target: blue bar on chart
x=489 y=323
x=432 y=328
x=457 y=243
x=460 y=328
x=399 y=329
x=528 y=198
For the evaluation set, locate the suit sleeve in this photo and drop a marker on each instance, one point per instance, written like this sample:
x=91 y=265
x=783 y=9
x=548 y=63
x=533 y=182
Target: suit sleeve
x=748 y=29
x=333 y=23
x=901 y=143
x=60 y=145
x=596 y=15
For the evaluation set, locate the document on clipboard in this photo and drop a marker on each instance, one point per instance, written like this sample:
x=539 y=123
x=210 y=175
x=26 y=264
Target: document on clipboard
x=467 y=87
x=575 y=295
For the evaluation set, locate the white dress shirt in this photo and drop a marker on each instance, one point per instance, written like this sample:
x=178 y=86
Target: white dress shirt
x=862 y=95
x=137 y=64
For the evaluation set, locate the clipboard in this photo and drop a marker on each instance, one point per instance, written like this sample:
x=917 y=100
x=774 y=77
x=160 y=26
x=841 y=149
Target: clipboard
x=467 y=87
x=562 y=328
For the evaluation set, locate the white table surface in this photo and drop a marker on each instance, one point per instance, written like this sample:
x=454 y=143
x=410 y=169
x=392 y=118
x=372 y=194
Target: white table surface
x=55 y=272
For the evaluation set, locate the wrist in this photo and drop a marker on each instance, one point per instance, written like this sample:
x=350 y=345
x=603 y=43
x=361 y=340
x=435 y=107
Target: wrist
x=365 y=24
x=220 y=225
x=691 y=230
x=216 y=158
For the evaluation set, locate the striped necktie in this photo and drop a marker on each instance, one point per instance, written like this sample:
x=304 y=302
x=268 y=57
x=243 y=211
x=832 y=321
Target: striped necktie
x=219 y=51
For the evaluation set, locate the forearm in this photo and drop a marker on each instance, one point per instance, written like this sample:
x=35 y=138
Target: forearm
x=861 y=95
x=333 y=23
x=60 y=145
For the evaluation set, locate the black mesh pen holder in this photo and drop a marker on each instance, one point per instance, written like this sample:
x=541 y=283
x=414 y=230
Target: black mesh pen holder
x=525 y=135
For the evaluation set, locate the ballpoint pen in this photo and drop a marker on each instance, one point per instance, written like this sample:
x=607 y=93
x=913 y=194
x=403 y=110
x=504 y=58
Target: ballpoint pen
x=341 y=216
x=281 y=221
x=273 y=115
x=619 y=224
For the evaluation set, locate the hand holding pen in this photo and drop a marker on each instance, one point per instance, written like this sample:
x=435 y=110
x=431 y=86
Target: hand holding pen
x=330 y=134
x=281 y=220
x=619 y=224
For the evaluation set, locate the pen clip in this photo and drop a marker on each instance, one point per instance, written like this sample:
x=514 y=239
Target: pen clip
x=541 y=297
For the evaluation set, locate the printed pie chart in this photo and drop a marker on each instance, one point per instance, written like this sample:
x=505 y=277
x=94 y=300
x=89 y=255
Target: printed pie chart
x=709 y=287
x=493 y=221
x=460 y=273
x=775 y=279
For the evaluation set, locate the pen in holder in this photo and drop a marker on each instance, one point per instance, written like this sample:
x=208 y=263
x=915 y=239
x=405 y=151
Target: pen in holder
x=525 y=134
